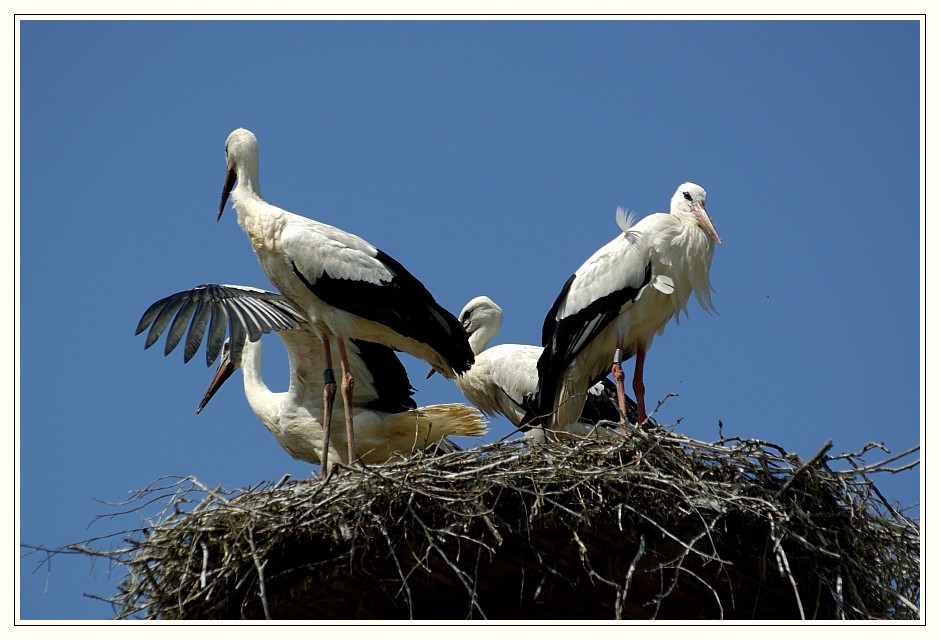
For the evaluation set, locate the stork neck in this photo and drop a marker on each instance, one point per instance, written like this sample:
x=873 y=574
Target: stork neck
x=694 y=237
x=690 y=257
x=263 y=223
x=482 y=336
x=487 y=320
x=260 y=398
x=248 y=181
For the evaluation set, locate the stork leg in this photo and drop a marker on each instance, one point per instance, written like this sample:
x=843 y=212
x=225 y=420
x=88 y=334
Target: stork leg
x=638 y=387
x=617 y=371
x=329 y=393
x=348 y=383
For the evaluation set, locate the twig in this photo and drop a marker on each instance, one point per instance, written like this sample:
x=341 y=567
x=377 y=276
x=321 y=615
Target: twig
x=622 y=593
x=543 y=511
x=259 y=566
x=809 y=464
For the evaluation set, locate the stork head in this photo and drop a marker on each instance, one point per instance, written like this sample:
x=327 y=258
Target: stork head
x=227 y=367
x=241 y=162
x=689 y=200
x=481 y=319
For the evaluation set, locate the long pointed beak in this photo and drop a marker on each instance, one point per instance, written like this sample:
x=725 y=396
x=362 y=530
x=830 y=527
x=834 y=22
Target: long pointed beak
x=224 y=372
x=701 y=217
x=230 y=177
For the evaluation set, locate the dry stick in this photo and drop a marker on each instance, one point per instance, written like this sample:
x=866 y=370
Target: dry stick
x=260 y=567
x=586 y=561
x=837 y=594
x=721 y=609
x=668 y=534
x=585 y=470
x=876 y=466
x=622 y=593
x=783 y=565
x=812 y=462
x=205 y=563
x=460 y=573
x=401 y=573
x=676 y=565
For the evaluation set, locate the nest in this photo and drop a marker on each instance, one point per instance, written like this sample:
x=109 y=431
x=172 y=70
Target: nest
x=656 y=526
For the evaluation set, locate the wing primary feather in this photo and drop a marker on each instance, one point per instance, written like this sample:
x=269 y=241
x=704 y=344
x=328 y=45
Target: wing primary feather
x=197 y=330
x=179 y=326
x=216 y=336
x=152 y=312
x=248 y=322
x=236 y=329
x=171 y=304
x=213 y=311
x=269 y=317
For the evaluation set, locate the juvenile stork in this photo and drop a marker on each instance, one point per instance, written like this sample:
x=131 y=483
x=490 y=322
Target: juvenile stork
x=504 y=375
x=619 y=299
x=345 y=287
x=387 y=421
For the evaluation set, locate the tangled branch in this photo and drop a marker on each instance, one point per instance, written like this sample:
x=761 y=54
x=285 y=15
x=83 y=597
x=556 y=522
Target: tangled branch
x=657 y=525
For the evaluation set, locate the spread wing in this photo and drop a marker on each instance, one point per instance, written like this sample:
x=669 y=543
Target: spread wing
x=213 y=311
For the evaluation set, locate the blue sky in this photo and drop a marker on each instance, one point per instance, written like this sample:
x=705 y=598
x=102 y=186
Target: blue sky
x=489 y=158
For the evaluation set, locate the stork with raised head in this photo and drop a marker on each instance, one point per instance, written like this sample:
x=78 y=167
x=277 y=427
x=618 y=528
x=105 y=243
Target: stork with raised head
x=345 y=287
x=619 y=299
x=504 y=375
x=386 y=418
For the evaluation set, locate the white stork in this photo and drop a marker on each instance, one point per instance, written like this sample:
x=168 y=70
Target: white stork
x=345 y=287
x=606 y=307
x=386 y=419
x=504 y=376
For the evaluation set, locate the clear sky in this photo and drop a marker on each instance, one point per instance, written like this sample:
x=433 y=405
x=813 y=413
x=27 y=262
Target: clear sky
x=488 y=158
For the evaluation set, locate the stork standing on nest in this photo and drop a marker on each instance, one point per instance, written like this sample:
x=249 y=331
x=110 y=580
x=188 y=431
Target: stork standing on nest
x=345 y=287
x=619 y=299
x=504 y=375
x=386 y=418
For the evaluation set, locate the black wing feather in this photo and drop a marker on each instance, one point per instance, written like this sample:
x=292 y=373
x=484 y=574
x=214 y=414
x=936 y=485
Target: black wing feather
x=248 y=313
x=178 y=328
x=391 y=381
x=163 y=315
x=217 y=332
x=603 y=406
x=197 y=330
x=403 y=304
x=569 y=335
x=548 y=327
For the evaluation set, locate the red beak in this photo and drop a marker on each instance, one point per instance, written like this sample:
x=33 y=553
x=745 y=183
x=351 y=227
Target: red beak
x=224 y=372
x=705 y=223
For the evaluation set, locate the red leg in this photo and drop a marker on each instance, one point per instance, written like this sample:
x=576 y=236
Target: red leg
x=617 y=371
x=348 y=383
x=329 y=393
x=638 y=387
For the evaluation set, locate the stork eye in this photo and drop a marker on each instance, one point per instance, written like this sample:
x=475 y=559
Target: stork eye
x=687 y=196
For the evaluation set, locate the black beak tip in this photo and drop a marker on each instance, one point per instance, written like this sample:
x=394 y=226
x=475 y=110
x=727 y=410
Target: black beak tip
x=231 y=176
